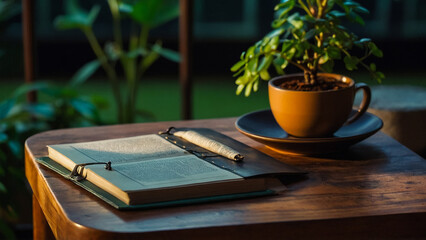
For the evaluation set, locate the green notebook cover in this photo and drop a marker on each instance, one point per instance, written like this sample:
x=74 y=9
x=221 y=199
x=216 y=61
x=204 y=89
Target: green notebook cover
x=118 y=204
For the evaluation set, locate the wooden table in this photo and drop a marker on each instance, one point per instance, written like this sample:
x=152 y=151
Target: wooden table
x=376 y=189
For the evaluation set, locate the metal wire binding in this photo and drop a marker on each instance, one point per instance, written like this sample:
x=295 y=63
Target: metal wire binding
x=75 y=175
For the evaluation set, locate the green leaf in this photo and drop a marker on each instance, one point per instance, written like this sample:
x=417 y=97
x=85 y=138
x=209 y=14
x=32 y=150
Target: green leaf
x=278 y=69
x=252 y=65
x=241 y=80
x=248 y=89
x=381 y=75
x=239 y=72
x=311 y=33
x=337 y=14
x=351 y=4
x=323 y=59
x=364 y=40
x=256 y=85
x=286 y=45
x=84 y=73
x=279 y=64
x=276 y=32
x=137 y=52
x=76 y=17
x=40 y=110
x=296 y=21
x=278 y=22
x=93 y=14
x=5 y=107
x=3 y=137
x=151 y=57
x=265 y=63
x=240 y=88
x=238 y=65
x=378 y=76
x=85 y=108
x=328 y=66
x=286 y=8
x=272 y=45
x=250 y=52
x=169 y=54
x=290 y=53
x=373 y=67
x=301 y=48
x=284 y=4
x=262 y=44
x=284 y=64
x=375 y=50
x=28 y=87
x=125 y=7
x=333 y=52
x=361 y=9
x=264 y=74
x=356 y=18
x=155 y=12
x=351 y=62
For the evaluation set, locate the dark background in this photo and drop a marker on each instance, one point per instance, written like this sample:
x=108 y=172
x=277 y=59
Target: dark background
x=222 y=30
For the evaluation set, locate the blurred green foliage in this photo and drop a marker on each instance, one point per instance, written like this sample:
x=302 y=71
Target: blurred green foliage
x=63 y=107
x=134 y=57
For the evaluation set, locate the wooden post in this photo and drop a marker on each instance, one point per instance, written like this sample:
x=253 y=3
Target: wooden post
x=41 y=229
x=185 y=68
x=28 y=42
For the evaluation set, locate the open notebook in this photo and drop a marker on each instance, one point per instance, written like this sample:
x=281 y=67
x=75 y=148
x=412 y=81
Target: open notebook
x=163 y=169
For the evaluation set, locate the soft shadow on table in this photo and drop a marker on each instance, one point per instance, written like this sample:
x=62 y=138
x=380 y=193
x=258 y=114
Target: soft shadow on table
x=287 y=180
x=358 y=152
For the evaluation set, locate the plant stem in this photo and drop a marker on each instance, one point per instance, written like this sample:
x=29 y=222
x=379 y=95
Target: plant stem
x=127 y=114
x=143 y=42
x=132 y=80
x=344 y=51
x=300 y=66
x=110 y=71
x=320 y=9
x=309 y=5
x=305 y=8
x=311 y=77
x=115 y=12
x=320 y=41
x=143 y=38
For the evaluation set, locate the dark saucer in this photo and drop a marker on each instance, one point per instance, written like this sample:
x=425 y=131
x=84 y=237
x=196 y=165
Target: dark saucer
x=262 y=127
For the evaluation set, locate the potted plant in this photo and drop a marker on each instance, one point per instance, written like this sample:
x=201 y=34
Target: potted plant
x=308 y=35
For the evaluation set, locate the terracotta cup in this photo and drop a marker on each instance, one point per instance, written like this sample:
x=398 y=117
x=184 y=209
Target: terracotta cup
x=315 y=113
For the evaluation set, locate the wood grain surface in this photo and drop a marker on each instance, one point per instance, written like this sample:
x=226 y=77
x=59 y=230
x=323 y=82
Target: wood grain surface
x=374 y=190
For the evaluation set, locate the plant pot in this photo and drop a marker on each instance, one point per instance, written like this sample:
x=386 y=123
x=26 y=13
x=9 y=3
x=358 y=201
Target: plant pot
x=315 y=113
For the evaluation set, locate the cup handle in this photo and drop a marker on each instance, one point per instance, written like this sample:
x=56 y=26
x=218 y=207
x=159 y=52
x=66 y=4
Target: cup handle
x=365 y=101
